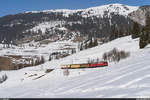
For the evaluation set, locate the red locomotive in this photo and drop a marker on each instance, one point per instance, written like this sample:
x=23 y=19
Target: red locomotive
x=99 y=64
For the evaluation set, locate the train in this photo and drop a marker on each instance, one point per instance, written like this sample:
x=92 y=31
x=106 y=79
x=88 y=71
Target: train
x=85 y=65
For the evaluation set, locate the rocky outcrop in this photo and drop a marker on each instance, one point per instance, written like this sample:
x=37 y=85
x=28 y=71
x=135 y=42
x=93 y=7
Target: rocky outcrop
x=140 y=14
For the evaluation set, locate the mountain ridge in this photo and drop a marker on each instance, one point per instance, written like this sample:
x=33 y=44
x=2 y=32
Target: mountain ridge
x=103 y=7
x=100 y=21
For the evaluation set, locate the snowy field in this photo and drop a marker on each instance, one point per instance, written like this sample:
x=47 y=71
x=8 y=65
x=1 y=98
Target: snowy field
x=128 y=78
x=37 y=49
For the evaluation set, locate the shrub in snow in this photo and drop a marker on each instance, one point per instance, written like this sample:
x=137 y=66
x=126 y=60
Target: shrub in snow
x=58 y=55
x=66 y=72
x=115 y=55
x=3 y=78
x=124 y=54
x=39 y=61
x=93 y=60
x=48 y=70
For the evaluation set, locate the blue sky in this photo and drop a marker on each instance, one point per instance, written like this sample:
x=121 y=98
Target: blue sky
x=16 y=6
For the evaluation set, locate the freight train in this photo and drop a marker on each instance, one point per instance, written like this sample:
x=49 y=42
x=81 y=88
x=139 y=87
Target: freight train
x=89 y=65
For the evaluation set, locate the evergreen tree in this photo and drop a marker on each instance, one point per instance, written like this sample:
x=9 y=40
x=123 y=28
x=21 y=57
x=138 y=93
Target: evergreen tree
x=81 y=47
x=50 y=57
x=114 y=33
x=32 y=62
x=120 y=33
x=145 y=37
x=90 y=44
x=42 y=60
x=46 y=31
x=72 y=51
x=86 y=46
x=148 y=29
x=143 y=41
x=147 y=23
x=135 y=30
x=36 y=62
x=129 y=31
x=95 y=42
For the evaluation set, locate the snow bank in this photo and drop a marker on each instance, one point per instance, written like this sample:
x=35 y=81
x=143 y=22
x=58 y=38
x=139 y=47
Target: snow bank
x=128 y=78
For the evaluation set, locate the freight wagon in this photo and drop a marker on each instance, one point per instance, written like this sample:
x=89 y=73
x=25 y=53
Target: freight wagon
x=91 y=65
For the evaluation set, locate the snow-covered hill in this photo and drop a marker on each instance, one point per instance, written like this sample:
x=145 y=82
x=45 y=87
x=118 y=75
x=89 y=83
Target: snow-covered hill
x=128 y=78
x=96 y=11
x=100 y=12
x=65 y=23
x=119 y=9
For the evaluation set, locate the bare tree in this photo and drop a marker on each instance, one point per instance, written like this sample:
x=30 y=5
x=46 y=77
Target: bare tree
x=115 y=55
x=3 y=78
x=105 y=57
x=66 y=72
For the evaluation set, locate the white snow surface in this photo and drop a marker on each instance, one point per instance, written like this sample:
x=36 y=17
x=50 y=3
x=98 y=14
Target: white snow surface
x=128 y=78
x=96 y=11
x=37 y=50
x=111 y=8
x=46 y=25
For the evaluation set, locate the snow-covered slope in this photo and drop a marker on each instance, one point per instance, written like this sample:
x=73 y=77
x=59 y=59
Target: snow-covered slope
x=45 y=25
x=49 y=23
x=96 y=11
x=37 y=49
x=119 y=9
x=99 y=11
x=66 y=12
x=128 y=78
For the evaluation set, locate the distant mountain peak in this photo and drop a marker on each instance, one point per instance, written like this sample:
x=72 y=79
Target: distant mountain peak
x=96 y=11
x=67 y=24
x=112 y=8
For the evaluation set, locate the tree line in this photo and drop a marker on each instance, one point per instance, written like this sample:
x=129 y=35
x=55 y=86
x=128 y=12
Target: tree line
x=86 y=45
x=115 y=55
x=142 y=33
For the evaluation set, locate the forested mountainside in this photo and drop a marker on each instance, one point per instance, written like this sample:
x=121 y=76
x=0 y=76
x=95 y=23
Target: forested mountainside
x=63 y=24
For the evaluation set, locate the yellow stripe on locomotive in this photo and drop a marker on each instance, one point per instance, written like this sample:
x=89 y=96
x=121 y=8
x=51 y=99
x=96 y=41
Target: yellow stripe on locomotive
x=75 y=66
x=92 y=65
